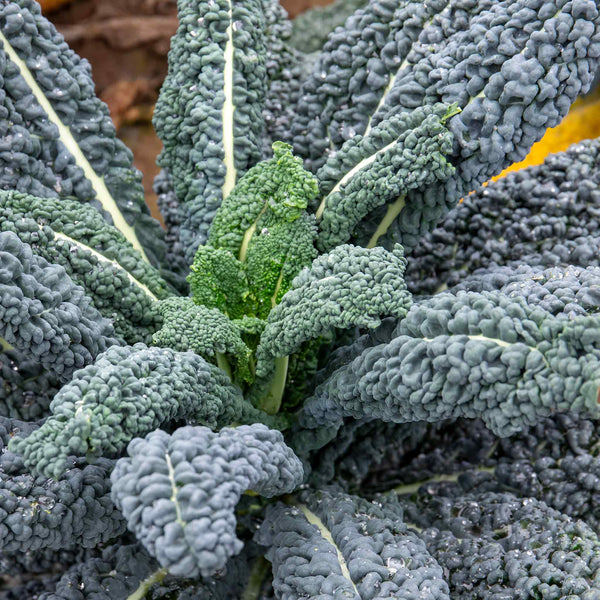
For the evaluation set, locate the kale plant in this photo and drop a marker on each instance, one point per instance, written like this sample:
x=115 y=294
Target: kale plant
x=327 y=379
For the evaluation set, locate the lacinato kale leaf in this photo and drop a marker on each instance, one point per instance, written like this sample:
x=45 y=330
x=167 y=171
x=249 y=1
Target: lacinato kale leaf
x=44 y=316
x=469 y=355
x=498 y=61
x=62 y=143
x=41 y=514
x=127 y=392
x=493 y=544
x=348 y=287
x=121 y=285
x=209 y=114
x=330 y=545
x=193 y=480
x=205 y=331
x=544 y=215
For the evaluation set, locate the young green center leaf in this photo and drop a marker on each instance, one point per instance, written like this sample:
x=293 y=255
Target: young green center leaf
x=278 y=187
x=349 y=287
x=276 y=254
x=218 y=280
x=260 y=240
x=205 y=331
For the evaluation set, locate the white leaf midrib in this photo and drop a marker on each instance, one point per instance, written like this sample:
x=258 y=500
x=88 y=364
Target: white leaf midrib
x=497 y=341
x=314 y=519
x=411 y=488
x=101 y=258
x=103 y=195
x=174 y=491
x=363 y=164
x=227 y=112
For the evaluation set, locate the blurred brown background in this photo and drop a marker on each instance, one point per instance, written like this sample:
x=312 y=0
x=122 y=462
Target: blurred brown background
x=127 y=41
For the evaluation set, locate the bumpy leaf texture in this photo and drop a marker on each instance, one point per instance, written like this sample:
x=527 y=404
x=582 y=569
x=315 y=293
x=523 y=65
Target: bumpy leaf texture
x=330 y=545
x=237 y=579
x=120 y=571
x=473 y=355
x=219 y=280
x=126 y=393
x=277 y=252
x=208 y=115
x=374 y=455
x=345 y=288
x=562 y=291
x=311 y=27
x=411 y=105
x=342 y=78
x=555 y=461
x=44 y=316
x=280 y=185
x=348 y=287
x=286 y=67
x=543 y=215
x=178 y=492
x=172 y=216
x=63 y=143
x=122 y=286
x=27 y=388
x=406 y=152
x=21 y=565
x=205 y=331
x=126 y=570
x=498 y=61
x=360 y=451
x=261 y=234
x=494 y=544
x=38 y=513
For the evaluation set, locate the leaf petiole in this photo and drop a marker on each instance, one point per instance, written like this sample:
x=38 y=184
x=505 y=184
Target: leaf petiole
x=272 y=401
